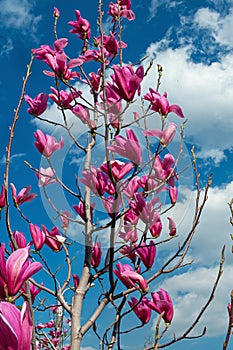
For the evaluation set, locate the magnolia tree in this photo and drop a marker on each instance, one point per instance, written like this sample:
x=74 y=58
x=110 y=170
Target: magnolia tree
x=120 y=203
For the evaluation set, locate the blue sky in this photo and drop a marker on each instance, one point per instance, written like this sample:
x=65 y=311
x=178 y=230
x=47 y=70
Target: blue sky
x=193 y=42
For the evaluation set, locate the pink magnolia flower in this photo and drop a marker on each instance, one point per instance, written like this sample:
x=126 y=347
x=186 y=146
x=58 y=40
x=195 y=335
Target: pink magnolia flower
x=17 y=269
x=121 y=9
x=156 y=226
x=34 y=291
x=2 y=198
x=65 y=218
x=98 y=55
x=15 y=327
x=129 y=252
x=162 y=303
x=53 y=238
x=146 y=253
x=83 y=114
x=172 y=227
x=126 y=82
x=20 y=240
x=110 y=44
x=38 y=236
x=141 y=309
x=147 y=183
x=56 y=59
x=47 y=144
x=95 y=80
x=97 y=181
x=173 y=194
x=128 y=147
x=130 y=233
x=164 y=171
x=161 y=105
x=112 y=205
x=45 y=177
x=118 y=169
x=56 y=12
x=145 y=210
x=131 y=187
x=81 y=210
x=113 y=102
x=130 y=278
x=81 y=26
x=165 y=135
x=96 y=254
x=76 y=280
x=63 y=98
x=23 y=196
x=37 y=105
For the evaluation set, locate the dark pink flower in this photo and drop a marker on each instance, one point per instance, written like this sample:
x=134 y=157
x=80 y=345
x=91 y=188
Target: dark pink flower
x=130 y=278
x=2 y=198
x=17 y=269
x=141 y=309
x=128 y=147
x=129 y=252
x=23 y=196
x=164 y=171
x=96 y=254
x=172 y=227
x=47 y=144
x=53 y=238
x=76 y=280
x=56 y=59
x=173 y=194
x=156 y=225
x=121 y=9
x=81 y=210
x=37 y=105
x=20 y=240
x=63 y=98
x=95 y=80
x=162 y=303
x=126 y=82
x=38 y=236
x=15 y=327
x=161 y=105
x=81 y=26
x=97 y=181
x=118 y=169
x=146 y=253
x=110 y=44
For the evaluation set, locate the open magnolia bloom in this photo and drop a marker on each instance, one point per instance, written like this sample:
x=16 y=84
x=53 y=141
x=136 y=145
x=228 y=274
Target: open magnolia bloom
x=15 y=327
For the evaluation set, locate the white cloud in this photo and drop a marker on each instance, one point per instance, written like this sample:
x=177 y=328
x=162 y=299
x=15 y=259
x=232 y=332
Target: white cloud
x=6 y=47
x=206 y=18
x=190 y=292
x=222 y=27
x=203 y=91
x=17 y=14
x=212 y=155
x=191 y=289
